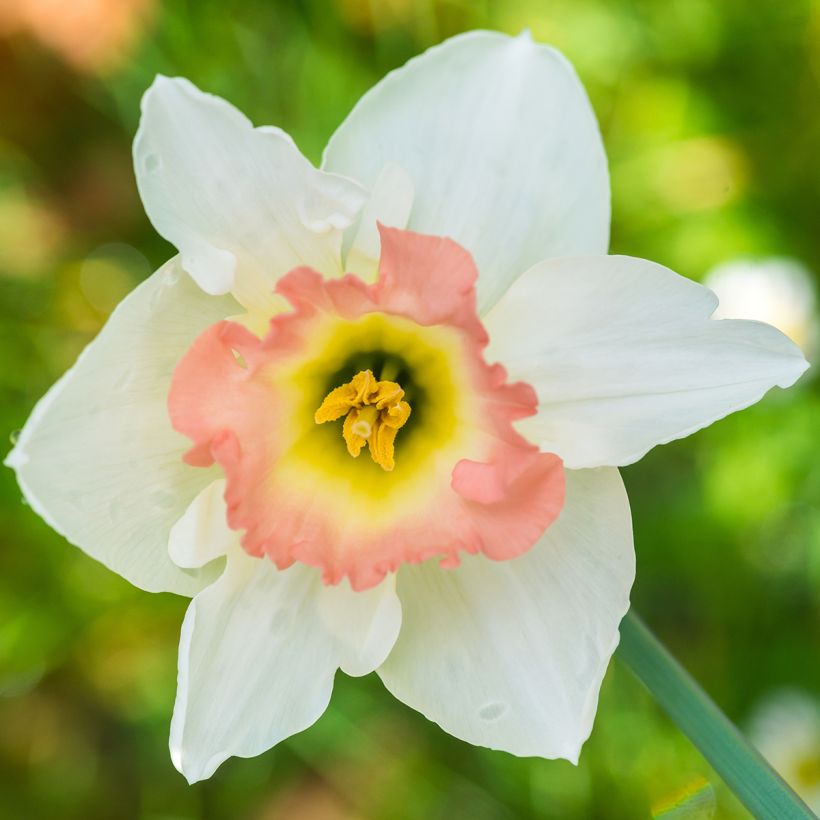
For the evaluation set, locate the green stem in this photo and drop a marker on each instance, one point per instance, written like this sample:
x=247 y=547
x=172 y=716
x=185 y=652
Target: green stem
x=744 y=770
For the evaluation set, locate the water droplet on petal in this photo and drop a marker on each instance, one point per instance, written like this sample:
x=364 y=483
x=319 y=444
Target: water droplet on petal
x=114 y=510
x=280 y=623
x=76 y=500
x=492 y=711
x=14 y=437
x=123 y=380
x=163 y=500
x=151 y=163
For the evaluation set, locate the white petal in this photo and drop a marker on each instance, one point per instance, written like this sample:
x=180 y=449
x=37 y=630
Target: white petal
x=257 y=656
x=390 y=203
x=365 y=624
x=623 y=356
x=502 y=146
x=98 y=459
x=241 y=204
x=511 y=655
x=202 y=534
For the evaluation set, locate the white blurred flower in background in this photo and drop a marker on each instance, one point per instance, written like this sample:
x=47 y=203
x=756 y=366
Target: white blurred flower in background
x=775 y=290
x=785 y=728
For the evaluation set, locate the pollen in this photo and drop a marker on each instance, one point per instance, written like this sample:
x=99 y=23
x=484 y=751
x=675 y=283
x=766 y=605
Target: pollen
x=374 y=413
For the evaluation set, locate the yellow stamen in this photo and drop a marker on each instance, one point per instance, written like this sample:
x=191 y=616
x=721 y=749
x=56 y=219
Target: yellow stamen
x=374 y=412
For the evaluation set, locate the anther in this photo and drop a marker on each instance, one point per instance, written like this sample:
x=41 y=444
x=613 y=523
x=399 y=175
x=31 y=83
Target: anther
x=374 y=412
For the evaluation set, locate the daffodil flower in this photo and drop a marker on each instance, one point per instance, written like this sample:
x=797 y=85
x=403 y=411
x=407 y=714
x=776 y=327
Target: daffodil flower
x=371 y=416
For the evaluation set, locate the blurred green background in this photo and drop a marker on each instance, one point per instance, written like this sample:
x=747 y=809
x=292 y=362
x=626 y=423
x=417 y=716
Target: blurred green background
x=710 y=117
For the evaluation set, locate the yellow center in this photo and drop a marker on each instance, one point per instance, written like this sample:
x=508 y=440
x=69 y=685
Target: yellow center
x=374 y=412
x=428 y=363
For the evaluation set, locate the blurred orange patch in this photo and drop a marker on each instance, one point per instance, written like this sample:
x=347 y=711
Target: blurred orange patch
x=91 y=35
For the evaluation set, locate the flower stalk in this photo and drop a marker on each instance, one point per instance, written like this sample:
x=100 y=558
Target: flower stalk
x=755 y=783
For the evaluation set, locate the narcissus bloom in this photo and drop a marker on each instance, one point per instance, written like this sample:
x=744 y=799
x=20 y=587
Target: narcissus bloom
x=371 y=416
